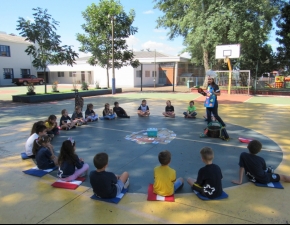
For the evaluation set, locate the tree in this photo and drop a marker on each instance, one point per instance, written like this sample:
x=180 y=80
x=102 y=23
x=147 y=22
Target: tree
x=207 y=23
x=97 y=39
x=46 y=47
x=284 y=35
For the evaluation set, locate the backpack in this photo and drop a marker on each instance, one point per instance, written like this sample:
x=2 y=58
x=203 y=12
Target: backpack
x=224 y=134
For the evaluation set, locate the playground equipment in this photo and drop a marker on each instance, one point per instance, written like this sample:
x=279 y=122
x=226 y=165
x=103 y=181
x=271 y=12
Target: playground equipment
x=279 y=81
x=287 y=82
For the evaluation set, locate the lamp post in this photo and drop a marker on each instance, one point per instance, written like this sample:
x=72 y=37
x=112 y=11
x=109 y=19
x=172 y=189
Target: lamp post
x=155 y=71
x=113 y=66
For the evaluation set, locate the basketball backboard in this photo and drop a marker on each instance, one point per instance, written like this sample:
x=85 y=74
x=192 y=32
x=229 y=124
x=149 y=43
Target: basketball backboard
x=230 y=51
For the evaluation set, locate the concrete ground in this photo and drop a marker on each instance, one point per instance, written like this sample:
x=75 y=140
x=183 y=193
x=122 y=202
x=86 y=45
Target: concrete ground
x=27 y=199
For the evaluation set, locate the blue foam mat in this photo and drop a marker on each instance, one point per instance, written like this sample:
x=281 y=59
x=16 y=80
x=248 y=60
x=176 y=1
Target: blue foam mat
x=277 y=185
x=115 y=200
x=37 y=172
x=24 y=156
x=223 y=196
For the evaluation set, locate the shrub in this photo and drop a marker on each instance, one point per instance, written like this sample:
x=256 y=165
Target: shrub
x=55 y=86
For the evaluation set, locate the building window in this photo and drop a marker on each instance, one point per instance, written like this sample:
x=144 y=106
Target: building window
x=153 y=73
x=25 y=72
x=138 y=73
x=72 y=74
x=147 y=73
x=60 y=74
x=5 y=50
x=8 y=73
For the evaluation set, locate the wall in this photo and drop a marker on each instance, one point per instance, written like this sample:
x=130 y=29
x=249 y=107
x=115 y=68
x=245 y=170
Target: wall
x=123 y=76
x=146 y=81
x=18 y=60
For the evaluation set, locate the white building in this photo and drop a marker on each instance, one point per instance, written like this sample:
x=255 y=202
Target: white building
x=169 y=70
x=14 y=61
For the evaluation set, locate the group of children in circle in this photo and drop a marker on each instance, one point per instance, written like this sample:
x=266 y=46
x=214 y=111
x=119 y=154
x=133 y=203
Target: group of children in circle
x=108 y=185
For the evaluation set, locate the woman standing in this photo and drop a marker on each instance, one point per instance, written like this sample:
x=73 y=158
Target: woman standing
x=212 y=108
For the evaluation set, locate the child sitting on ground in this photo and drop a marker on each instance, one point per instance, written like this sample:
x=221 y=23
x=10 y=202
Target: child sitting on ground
x=191 y=111
x=165 y=182
x=40 y=131
x=108 y=113
x=143 y=109
x=106 y=184
x=90 y=113
x=255 y=167
x=66 y=123
x=51 y=125
x=33 y=129
x=169 y=110
x=70 y=165
x=209 y=179
x=44 y=154
x=78 y=116
x=120 y=112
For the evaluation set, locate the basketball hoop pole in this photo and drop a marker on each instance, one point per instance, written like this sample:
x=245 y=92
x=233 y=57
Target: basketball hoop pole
x=227 y=60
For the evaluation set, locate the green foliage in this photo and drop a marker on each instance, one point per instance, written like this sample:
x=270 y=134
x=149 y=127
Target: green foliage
x=284 y=35
x=205 y=24
x=30 y=87
x=85 y=86
x=45 y=47
x=97 y=39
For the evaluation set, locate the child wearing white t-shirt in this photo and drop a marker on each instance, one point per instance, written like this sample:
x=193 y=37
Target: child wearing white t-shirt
x=143 y=109
x=40 y=131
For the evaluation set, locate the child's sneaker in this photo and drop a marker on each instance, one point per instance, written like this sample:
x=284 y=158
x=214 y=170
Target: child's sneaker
x=126 y=185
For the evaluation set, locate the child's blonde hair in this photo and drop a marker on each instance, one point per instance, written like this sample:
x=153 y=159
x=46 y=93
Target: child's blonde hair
x=207 y=153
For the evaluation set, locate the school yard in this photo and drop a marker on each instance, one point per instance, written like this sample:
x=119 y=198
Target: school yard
x=28 y=199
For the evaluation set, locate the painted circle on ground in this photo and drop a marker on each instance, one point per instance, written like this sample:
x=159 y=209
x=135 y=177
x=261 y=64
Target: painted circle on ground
x=141 y=159
x=152 y=136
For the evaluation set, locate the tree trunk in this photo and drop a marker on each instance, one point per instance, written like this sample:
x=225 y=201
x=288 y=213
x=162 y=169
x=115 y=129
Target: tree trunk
x=45 y=81
x=206 y=66
x=108 y=77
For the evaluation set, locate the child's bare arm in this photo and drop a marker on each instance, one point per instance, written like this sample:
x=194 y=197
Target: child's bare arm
x=241 y=175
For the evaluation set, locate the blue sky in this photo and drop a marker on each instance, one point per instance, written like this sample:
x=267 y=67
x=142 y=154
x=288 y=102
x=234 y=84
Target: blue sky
x=68 y=13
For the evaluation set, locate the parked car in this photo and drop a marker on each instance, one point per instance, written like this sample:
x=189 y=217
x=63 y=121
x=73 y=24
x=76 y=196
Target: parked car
x=28 y=79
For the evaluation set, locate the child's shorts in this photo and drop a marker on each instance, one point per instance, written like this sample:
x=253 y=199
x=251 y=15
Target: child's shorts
x=120 y=186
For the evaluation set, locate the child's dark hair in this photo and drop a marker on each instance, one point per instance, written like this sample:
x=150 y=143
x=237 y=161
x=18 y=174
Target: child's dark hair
x=254 y=147
x=77 y=107
x=63 y=111
x=67 y=152
x=51 y=117
x=207 y=153
x=164 y=157
x=191 y=102
x=143 y=100
x=40 y=128
x=115 y=103
x=38 y=143
x=89 y=106
x=33 y=129
x=101 y=160
x=107 y=104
